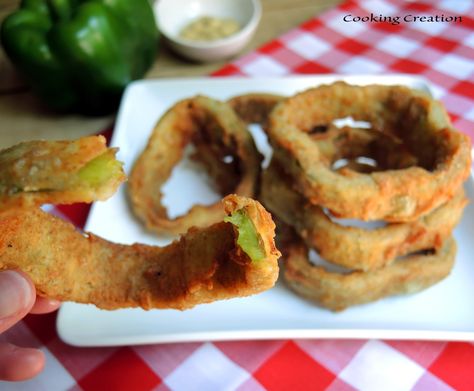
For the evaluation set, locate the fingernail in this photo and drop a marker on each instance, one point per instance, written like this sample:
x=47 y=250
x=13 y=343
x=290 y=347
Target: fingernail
x=15 y=293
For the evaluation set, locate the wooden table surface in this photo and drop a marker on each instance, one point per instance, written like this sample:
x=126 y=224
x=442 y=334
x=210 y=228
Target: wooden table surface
x=22 y=116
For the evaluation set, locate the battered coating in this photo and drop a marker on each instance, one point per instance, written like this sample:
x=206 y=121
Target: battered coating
x=421 y=123
x=224 y=260
x=337 y=291
x=254 y=108
x=353 y=247
x=202 y=266
x=224 y=146
x=35 y=172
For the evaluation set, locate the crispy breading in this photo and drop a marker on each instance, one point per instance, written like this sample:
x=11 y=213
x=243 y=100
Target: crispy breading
x=337 y=291
x=397 y=195
x=202 y=266
x=218 y=134
x=255 y=107
x=355 y=247
x=34 y=172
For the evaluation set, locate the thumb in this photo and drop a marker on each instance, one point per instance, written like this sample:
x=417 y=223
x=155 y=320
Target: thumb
x=17 y=296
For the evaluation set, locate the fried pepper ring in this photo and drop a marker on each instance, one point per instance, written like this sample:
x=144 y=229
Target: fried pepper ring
x=234 y=257
x=422 y=125
x=337 y=291
x=225 y=260
x=353 y=247
x=254 y=108
x=223 y=145
x=35 y=172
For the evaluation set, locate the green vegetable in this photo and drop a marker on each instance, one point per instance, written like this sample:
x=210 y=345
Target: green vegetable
x=248 y=238
x=79 y=55
x=99 y=170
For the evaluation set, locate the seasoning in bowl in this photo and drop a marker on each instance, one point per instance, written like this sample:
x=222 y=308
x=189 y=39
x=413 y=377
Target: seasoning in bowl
x=209 y=28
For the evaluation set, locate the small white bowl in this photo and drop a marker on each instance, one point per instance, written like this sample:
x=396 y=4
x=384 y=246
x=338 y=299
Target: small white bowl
x=173 y=15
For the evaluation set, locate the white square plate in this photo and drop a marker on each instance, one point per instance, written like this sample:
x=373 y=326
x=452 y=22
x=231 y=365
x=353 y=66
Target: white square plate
x=443 y=311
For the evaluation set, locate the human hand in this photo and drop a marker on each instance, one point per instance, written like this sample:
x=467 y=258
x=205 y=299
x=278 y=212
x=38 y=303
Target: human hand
x=18 y=298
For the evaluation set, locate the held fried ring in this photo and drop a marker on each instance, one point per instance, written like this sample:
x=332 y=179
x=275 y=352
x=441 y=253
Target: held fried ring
x=395 y=194
x=223 y=145
x=213 y=263
x=236 y=256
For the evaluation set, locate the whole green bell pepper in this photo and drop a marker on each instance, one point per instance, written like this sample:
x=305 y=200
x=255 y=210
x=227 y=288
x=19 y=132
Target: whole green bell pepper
x=79 y=55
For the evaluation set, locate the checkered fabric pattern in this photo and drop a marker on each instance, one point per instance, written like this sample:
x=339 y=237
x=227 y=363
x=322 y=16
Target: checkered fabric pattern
x=442 y=53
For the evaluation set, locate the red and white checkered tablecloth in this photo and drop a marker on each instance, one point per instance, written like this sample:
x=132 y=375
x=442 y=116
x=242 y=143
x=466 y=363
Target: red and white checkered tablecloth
x=443 y=53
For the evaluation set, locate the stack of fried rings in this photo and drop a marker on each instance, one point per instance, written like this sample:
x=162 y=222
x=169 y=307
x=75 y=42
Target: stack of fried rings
x=413 y=183
x=421 y=162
